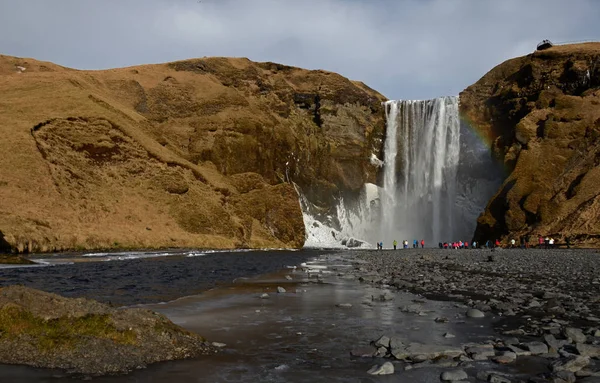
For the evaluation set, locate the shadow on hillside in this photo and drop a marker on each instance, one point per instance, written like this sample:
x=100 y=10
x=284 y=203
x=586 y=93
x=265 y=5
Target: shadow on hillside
x=5 y=247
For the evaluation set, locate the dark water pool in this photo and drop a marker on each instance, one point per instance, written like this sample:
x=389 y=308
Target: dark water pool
x=142 y=277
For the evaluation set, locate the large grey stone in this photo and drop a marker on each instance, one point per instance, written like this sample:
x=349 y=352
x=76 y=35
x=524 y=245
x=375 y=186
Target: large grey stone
x=480 y=353
x=421 y=352
x=573 y=363
x=505 y=357
x=588 y=350
x=454 y=375
x=383 y=341
x=385 y=369
x=474 y=313
x=575 y=334
x=552 y=343
x=536 y=348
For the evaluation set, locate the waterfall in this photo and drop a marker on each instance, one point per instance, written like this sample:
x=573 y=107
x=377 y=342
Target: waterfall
x=427 y=135
x=437 y=178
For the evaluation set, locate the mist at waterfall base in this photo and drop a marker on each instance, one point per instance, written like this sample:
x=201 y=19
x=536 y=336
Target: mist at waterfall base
x=437 y=177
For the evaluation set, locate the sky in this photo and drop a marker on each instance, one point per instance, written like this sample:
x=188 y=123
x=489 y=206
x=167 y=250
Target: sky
x=405 y=49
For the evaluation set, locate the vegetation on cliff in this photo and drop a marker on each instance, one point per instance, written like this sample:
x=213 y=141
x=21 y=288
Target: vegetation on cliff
x=195 y=153
x=541 y=113
x=86 y=337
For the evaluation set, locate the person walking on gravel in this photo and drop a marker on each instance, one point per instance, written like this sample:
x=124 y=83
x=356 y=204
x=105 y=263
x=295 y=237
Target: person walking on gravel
x=422 y=243
x=395 y=244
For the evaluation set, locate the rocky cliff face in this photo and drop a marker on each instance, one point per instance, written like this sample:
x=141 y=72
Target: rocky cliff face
x=542 y=114
x=196 y=153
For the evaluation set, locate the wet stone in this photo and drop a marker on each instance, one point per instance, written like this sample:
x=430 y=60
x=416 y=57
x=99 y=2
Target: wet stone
x=505 y=357
x=536 y=348
x=474 y=313
x=588 y=350
x=385 y=369
x=455 y=375
x=573 y=363
x=575 y=334
x=383 y=341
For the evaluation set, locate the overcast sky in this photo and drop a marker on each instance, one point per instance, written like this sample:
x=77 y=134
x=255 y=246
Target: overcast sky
x=404 y=49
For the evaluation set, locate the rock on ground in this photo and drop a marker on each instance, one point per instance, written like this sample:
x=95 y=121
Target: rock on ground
x=455 y=375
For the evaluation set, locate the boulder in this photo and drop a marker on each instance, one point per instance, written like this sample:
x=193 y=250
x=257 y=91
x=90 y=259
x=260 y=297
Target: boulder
x=454 y=375
x=385 y=369
x=474 y=313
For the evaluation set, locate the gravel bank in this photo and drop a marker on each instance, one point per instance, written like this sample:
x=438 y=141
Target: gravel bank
x=543 y=302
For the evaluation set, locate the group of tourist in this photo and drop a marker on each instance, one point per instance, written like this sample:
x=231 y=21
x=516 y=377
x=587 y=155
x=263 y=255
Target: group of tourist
x=457 y=245
x=523 y=243
x=415 y=244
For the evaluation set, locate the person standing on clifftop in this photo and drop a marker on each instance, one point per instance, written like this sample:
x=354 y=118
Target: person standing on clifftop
x=395 y=244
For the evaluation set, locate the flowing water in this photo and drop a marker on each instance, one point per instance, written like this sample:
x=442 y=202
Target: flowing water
x=297 y=336
x=430 y=146
x=437 y=178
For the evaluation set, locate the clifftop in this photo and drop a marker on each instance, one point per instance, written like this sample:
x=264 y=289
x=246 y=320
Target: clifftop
x=194 y=153
x=541 y=112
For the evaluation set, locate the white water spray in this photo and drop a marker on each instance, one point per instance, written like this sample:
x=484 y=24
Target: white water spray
x=429 y=135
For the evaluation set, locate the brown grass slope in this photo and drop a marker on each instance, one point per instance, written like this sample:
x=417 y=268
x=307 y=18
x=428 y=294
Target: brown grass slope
x=195 y=153
x=542 y=113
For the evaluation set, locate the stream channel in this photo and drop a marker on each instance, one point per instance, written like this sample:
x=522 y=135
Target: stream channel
x=300 y=335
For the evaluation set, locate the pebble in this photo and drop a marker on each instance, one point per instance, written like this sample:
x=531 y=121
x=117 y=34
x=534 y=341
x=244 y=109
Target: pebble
x=280 y=290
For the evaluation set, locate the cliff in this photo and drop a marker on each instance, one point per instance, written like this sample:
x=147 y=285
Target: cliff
x=541 y=114
x=195 y=153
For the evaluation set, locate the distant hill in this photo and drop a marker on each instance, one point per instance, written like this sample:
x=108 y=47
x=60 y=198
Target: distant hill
x=542 y=114
x=195 y=153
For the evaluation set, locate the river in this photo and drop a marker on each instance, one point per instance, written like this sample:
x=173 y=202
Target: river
x=296 y=336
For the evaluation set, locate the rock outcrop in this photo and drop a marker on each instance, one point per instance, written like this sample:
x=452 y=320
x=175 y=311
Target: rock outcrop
x=541 y=113
x=195 y=153
x=83 y=336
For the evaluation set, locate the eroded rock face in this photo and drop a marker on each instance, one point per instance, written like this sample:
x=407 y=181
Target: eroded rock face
x=86 y=337
x=541 y=113
x=196 y=153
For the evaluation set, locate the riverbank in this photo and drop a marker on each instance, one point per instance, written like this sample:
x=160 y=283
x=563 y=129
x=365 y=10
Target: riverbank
x=550 y=297
x=6 y=259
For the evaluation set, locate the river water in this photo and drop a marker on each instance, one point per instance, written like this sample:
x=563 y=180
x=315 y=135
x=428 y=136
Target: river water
x=296 y=336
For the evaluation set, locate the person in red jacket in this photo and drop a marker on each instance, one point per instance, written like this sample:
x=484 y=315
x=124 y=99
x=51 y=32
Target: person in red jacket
x=497 y=243
x=422 y=243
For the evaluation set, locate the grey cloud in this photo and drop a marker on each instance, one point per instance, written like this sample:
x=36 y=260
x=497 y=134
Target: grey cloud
x=404 y=49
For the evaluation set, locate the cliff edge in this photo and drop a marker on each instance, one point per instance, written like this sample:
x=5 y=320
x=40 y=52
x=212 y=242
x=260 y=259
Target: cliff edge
x=541 y=115
x=194 y=153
